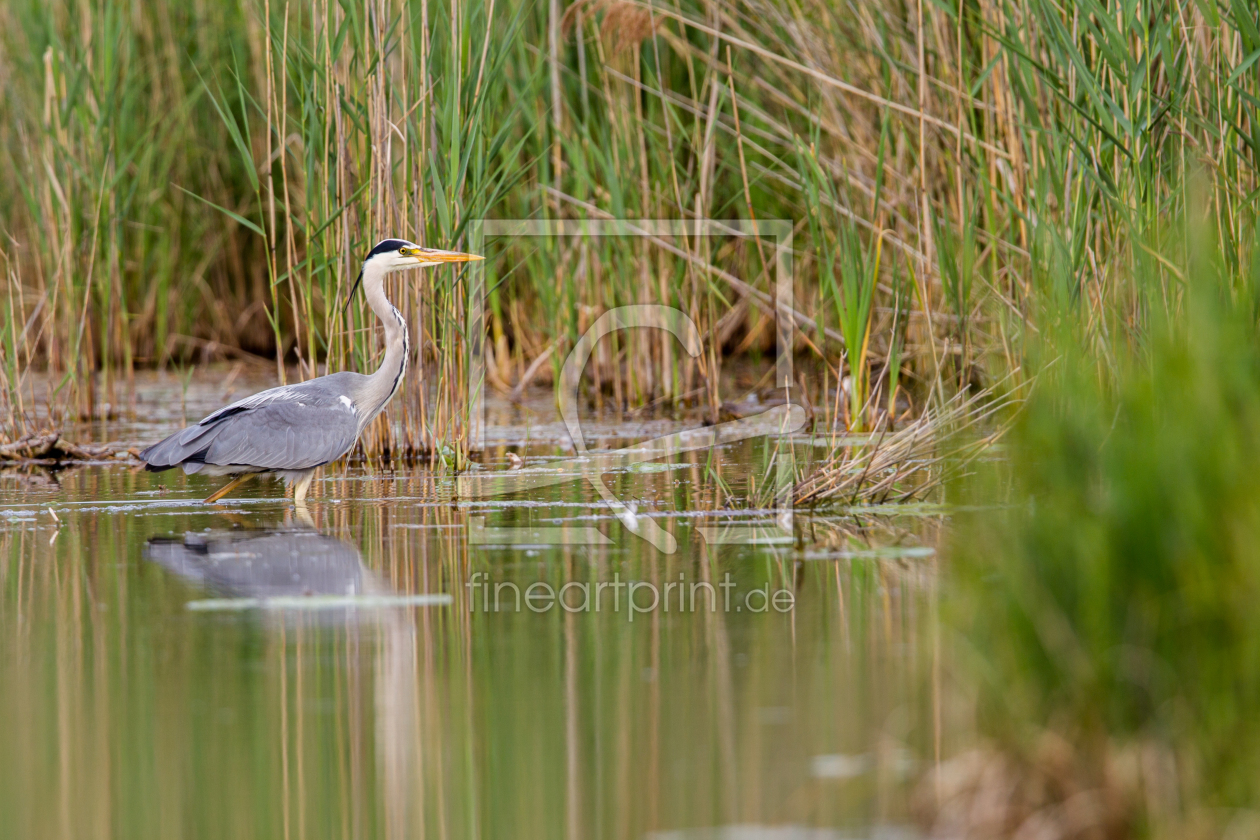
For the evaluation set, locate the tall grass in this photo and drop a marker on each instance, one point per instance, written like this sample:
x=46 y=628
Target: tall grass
x=199 y=182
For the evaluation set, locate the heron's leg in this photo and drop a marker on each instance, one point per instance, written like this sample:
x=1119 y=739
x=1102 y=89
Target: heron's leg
x=301 y=486
x=228 y=488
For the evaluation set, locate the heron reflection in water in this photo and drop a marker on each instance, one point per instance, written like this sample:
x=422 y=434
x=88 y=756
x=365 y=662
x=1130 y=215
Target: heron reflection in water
x=288 y=567
x=266 y=565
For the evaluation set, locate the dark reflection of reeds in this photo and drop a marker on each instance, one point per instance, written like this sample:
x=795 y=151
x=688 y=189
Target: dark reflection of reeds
x=128 y=716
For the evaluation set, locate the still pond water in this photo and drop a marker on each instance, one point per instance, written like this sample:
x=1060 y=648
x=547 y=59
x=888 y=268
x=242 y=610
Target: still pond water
x=172 y=669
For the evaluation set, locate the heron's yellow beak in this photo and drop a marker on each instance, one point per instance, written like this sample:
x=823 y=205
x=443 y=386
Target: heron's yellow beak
x=432 y=255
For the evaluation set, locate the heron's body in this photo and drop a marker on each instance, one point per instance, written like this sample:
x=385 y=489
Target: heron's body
x=293 y=430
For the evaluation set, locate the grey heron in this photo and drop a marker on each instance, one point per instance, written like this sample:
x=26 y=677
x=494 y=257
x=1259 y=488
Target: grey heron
x=293 y=430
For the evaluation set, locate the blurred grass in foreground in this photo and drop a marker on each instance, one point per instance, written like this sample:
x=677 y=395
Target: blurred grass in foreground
x=1110 y=612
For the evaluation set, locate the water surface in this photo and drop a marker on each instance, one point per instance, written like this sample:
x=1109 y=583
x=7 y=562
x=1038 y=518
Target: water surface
x=170 y=669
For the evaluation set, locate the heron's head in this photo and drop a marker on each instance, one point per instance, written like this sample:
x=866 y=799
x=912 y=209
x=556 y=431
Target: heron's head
x=399 y=254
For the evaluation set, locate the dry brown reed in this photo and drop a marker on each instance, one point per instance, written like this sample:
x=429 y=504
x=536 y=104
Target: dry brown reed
x=897 y=466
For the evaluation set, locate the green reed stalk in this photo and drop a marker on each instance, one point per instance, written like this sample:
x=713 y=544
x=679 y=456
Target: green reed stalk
x=849 y=270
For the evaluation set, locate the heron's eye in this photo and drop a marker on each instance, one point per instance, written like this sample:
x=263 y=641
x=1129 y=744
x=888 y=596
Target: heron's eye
x=402 y=251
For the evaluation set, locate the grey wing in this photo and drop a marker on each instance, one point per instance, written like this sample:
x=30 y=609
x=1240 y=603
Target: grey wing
x=283 y=436
x=283 y=429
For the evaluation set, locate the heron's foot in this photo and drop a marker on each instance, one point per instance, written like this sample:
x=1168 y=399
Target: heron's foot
x=227 y=488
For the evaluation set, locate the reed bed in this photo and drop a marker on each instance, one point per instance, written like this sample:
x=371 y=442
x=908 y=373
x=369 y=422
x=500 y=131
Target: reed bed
x=198 y=182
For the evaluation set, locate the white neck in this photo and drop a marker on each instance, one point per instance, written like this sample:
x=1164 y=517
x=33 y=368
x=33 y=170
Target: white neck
x=382 y=385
